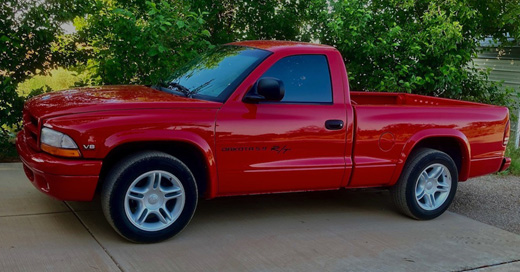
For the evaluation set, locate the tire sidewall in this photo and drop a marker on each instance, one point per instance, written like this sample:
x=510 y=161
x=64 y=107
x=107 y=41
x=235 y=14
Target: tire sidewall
x=125 y=179
x=420 y=166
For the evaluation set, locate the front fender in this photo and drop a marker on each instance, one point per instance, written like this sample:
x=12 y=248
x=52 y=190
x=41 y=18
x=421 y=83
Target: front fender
x=156 y=135
x=99 y=133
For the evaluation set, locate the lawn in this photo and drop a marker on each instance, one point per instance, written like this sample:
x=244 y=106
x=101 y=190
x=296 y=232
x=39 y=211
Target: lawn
x=514 y=153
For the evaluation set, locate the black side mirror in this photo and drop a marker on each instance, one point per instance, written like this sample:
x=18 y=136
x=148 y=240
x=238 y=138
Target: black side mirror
x=266 y=89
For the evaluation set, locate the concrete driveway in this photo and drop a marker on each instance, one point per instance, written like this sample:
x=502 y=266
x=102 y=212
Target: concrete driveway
x=323 y=231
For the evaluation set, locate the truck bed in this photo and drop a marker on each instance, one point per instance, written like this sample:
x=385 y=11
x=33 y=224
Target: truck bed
x=378 y=98
x=385 y=123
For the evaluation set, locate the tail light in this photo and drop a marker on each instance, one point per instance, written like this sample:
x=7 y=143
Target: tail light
x=507 y=132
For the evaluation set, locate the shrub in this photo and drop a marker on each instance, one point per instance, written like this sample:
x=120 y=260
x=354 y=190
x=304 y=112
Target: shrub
x=411 y=46
x=140 y=42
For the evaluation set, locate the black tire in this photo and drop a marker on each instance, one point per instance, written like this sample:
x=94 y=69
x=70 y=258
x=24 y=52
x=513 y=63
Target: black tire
x=127 y=172
x=404 y=191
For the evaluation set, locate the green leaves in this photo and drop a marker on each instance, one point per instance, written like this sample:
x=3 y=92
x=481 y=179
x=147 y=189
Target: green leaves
x=411 y=46
x=140 y=42
x=123 y=12
x=388 y=45
x=229 y=21
x=27 y=30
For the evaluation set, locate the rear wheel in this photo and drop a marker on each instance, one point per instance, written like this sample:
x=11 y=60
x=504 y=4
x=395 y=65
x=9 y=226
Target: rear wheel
x=149 y=197
x=427 y=184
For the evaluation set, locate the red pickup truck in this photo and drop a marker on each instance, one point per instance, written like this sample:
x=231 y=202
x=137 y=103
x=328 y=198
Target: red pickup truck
x=249 y=118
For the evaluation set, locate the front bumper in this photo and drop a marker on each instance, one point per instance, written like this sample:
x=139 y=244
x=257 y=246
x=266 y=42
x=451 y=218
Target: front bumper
x=61 y=178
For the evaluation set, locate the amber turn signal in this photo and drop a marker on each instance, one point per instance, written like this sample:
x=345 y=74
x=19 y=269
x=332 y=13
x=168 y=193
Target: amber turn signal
x=60 y=151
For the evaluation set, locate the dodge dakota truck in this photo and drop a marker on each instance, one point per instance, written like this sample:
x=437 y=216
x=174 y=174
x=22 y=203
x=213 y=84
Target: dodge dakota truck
x=252 y=117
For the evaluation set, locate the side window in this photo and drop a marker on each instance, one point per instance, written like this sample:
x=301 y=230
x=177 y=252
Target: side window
x=306 y=78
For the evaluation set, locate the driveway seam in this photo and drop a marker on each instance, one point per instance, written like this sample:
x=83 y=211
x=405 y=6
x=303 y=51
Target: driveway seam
x=32 y=214
x=92 y=234
x=488 y=266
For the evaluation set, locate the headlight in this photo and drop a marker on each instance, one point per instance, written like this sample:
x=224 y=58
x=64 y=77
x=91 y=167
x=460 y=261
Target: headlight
x=57 y=143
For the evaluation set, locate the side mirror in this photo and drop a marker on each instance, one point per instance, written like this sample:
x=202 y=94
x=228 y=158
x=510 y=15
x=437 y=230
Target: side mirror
x=266 y=89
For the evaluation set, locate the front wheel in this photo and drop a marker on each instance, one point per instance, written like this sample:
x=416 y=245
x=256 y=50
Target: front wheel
x=149 y=197
x=427 y=184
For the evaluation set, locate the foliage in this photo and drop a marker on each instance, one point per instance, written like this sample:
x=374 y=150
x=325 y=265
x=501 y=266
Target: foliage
x=10 y=108
x=260 y=20
x=140 y=42
x=7 y=151
x=415 y=46
x=70 y=51
x=56 y=79
x=514 y=169
x=514 y=154
x=497 y=18
x=27 y=30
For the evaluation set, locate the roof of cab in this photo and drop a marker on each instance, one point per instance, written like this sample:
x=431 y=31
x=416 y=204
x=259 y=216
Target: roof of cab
x=274 y=46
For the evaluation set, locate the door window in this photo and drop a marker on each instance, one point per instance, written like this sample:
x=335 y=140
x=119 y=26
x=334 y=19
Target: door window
x=306 y=78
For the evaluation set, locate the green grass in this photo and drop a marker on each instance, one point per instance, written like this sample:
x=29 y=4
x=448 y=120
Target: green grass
x=57 y=79
x=514 y=153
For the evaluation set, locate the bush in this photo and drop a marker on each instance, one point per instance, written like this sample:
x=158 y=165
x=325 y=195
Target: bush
x=10 y=107
x=514 y=154
x=140 y=42
x=7 y=150
x=27 y=31
x=411 y=46
x=415 y=46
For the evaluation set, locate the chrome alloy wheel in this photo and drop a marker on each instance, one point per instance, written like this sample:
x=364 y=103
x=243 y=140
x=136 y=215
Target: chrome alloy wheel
x=433 y=187
x=154 y=200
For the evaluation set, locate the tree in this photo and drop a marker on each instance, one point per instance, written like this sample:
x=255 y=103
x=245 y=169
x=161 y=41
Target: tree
x=140 y=42
x=27 y=30
x=497 y=18
x=259 y=20
x=389 y=45
x=412 y=46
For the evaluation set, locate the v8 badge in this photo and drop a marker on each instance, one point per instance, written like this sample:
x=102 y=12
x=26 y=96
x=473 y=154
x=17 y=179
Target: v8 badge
x=89 y=147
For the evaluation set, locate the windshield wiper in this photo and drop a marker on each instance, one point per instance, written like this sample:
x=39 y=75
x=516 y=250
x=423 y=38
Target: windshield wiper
x=180 y=88
x=173 y=87
x=200 y=88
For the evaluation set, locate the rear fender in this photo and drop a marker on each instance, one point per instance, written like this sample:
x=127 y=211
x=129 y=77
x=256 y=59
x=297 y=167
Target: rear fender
x=435 y=133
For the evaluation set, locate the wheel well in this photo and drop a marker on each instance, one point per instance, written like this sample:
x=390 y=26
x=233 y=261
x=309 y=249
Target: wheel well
x=187 y=153
x=448 y=145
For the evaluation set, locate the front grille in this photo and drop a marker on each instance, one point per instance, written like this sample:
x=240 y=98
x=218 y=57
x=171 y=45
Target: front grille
x=31 y=130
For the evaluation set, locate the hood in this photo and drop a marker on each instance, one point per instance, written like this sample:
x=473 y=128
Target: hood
x=107 y=98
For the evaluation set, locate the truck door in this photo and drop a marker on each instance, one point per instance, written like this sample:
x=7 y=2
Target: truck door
x=295 y=144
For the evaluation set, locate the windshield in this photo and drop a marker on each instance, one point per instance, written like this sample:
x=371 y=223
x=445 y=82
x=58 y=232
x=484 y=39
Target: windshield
x=215 y=74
